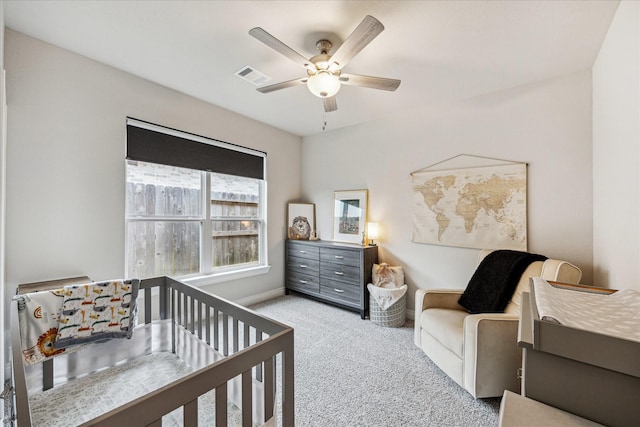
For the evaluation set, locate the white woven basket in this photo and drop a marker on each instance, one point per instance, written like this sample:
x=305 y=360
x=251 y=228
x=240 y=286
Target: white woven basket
x=393 y=317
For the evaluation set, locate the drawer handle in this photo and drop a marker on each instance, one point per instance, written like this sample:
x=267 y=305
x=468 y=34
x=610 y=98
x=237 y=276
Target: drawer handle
x=303 y=252
x=303 y=265
x=304 y=282
x=339 y=273
x=340 y=291
x=338 y=257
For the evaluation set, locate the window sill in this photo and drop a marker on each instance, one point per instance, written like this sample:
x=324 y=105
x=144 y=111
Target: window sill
x=225 y=276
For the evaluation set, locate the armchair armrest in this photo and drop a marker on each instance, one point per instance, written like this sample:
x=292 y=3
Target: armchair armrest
x=491 y=353
x=438 y=298
x=560 y=271
x=434 y=298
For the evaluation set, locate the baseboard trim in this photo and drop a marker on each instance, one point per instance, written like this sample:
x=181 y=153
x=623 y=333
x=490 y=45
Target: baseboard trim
x=258 y=298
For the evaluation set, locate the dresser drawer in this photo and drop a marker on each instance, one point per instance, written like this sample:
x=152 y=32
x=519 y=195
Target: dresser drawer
x=302 y=250
x=340 y=256
x=303 y=265
x=343 y=273
x=341 y=292
x=303 y=282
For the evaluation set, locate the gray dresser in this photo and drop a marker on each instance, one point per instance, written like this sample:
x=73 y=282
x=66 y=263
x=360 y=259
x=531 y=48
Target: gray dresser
x=332 y=272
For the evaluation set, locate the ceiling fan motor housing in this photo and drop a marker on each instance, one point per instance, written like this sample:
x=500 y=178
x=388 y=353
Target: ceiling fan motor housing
x=324 y=46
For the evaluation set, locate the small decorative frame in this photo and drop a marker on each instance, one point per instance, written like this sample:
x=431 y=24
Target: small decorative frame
x=301 y=221
x=350 y=216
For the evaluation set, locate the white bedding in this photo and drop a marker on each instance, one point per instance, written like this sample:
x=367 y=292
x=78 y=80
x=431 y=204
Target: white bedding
x=616 y=314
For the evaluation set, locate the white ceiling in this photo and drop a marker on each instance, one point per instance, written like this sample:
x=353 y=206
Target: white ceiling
x=441 y=50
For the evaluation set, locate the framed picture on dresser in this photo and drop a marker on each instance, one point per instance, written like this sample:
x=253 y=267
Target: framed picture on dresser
x=350 y=215
x=301 y=221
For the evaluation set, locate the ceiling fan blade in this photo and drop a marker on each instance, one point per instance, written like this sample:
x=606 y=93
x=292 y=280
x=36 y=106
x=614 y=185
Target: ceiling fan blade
x=330 y=104
x=368 y=30
x=282 y=85
x=280 y=47
x=370 y=82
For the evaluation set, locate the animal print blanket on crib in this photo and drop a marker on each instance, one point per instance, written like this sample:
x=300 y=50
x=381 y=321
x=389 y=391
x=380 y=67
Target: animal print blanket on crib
x=56 y=321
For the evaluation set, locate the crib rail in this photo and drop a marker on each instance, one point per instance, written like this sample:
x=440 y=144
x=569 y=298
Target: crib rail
x=232 y=329
x=252 y=345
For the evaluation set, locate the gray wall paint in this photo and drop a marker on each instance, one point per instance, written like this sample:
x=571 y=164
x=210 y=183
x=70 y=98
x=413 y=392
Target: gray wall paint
x=65 y=164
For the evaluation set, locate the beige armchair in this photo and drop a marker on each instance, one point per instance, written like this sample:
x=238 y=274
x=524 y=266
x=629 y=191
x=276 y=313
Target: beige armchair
x=479 y=351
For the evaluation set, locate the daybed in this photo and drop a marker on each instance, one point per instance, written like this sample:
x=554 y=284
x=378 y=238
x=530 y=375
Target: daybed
x=219 y=359
x=591 y=371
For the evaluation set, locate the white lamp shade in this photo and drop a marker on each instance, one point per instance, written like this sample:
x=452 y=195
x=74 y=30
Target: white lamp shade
x=372 y=230
x=323 y=84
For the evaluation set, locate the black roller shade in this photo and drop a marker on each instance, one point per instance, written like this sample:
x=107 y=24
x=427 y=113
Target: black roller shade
x=157 y=147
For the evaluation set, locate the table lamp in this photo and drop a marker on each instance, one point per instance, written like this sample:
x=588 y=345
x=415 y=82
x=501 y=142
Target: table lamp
x=372 y=232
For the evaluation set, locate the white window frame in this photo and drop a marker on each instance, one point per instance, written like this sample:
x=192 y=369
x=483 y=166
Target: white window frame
x=222 y=274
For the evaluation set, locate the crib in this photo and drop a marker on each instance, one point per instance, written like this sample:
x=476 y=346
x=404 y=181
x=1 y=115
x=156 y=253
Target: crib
x=226 y=365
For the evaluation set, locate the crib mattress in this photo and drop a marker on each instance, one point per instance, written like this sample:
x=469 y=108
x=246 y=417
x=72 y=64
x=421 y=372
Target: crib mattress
x=75 y=401
x=83 y=399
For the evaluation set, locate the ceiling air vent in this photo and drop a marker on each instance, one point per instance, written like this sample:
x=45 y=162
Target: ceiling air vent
x=252 y=75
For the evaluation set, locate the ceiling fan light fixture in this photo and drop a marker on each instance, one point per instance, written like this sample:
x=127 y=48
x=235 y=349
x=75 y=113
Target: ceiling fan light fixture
x=323 y=84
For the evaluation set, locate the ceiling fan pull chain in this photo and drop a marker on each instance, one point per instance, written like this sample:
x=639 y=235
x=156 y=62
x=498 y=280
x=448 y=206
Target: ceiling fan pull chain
x=324 y=121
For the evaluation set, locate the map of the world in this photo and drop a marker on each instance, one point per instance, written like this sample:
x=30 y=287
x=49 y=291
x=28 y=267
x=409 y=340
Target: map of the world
x=482 y=207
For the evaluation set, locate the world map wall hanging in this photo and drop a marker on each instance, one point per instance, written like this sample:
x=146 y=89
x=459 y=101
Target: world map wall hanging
x=475 y=207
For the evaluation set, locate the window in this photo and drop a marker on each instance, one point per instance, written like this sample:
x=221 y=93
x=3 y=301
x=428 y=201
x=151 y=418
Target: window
x=186 y=221
x=235 y=220
x=164 y=220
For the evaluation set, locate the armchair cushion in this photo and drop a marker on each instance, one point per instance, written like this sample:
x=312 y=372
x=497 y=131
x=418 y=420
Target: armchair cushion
x=446 y=326
x=495 y=280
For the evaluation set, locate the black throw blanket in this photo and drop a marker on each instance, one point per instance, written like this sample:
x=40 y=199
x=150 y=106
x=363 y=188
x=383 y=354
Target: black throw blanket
x=495 y=280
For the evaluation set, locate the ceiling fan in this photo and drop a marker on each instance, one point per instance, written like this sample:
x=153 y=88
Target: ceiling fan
x=324 y=71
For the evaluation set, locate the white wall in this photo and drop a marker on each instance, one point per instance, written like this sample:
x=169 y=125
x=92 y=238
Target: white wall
x=65 y=164
x=5 y=372
x=616 y=153
x=547 y=125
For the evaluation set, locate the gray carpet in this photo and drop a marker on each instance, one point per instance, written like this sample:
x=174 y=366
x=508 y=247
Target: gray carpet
x=352 y=372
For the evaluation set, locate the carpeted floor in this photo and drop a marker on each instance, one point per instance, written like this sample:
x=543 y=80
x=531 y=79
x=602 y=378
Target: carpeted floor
x=352 y=372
